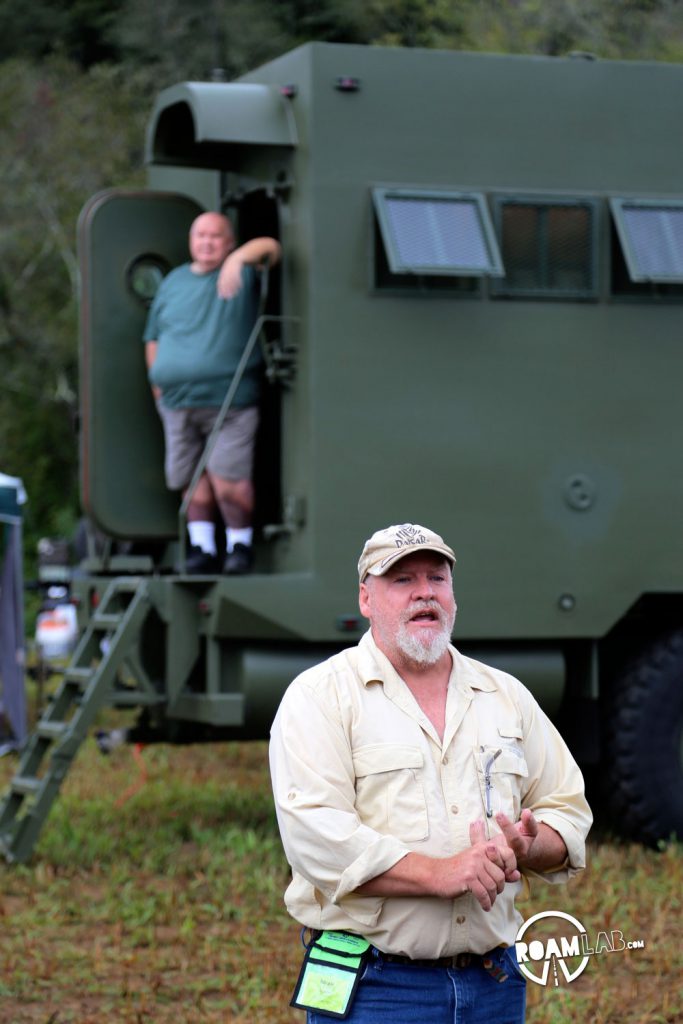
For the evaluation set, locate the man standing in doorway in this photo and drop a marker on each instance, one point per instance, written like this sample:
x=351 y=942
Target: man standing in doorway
x=415 y=790
x=198 y=325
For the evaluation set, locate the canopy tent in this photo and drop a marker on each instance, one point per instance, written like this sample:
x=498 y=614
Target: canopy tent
x=13 y=725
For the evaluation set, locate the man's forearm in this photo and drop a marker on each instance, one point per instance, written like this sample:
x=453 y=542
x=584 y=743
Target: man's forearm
x=413 y=875
x=547 y=851
x=482 y=869
x=256 y=250
x=253 y=252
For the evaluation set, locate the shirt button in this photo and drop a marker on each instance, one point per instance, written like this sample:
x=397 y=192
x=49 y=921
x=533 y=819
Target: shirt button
x=460 y=919
x=444 y=760
x=454 y=808
x=291 y=795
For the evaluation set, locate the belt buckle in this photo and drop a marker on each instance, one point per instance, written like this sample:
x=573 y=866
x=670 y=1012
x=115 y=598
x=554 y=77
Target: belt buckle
x=462 y=960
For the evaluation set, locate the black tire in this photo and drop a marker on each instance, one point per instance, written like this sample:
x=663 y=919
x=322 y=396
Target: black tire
x=644 y=752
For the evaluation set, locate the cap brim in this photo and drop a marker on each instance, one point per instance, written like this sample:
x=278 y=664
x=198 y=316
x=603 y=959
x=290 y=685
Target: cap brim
x=384 y=564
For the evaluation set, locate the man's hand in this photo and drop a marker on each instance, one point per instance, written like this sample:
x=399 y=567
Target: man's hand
x=486 y=859
x=536 y=845
x=482 y=869
x=503 y=854
x=519 y=836
x=230 y=277
x=514 y=840
x=476 y=870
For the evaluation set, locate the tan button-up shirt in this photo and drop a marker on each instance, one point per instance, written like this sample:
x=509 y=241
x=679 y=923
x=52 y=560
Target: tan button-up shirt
x=361 y=778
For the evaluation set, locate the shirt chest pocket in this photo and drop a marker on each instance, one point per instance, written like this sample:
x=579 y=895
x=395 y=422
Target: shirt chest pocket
x=502 y=771
x=390 y=796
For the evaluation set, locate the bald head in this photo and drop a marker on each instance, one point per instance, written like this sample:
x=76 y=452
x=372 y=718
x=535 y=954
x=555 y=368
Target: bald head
x=211 y=239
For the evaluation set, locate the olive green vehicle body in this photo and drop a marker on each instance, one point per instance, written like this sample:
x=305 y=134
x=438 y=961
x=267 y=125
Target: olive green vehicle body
x=540 y=435
x=525 y=405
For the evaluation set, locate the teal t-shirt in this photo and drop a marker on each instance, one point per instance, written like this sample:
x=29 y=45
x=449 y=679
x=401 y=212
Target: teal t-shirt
x=201 y=338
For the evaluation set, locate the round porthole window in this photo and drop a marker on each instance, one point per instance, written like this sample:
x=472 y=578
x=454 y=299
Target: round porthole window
x=145 y=274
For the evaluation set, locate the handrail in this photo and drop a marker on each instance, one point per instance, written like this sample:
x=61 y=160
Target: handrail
x=225 y=407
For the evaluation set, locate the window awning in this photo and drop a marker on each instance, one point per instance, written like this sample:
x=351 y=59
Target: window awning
x=437 y=233
x=651 y=237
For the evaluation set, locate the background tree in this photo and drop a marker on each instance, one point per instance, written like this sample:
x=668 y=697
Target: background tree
x=64 y=135
x=625 y=29
x=78 y=29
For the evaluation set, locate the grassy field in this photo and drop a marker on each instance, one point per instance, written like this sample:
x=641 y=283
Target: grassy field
x=155 y=895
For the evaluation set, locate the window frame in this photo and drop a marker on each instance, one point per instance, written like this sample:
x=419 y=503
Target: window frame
x=477 y=200
x=617 y=205
x=499 y=288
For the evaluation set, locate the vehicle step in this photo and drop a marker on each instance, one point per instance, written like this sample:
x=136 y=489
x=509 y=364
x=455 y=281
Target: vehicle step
x=127 y=585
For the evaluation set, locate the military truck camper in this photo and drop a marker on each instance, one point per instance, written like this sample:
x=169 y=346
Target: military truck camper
x=477 y=326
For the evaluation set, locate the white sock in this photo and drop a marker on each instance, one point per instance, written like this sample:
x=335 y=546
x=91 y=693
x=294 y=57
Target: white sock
x=202 y=535
x=243 y=536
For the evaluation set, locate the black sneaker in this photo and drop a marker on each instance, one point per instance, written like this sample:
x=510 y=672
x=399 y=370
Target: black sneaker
x=239 y=561
x=200 y=563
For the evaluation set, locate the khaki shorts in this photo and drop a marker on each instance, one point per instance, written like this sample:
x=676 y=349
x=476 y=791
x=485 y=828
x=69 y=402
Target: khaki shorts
x=186 y=432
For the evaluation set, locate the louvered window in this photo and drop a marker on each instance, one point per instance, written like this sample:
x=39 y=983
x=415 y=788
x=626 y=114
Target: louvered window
x=436 y=234
x=647 y=248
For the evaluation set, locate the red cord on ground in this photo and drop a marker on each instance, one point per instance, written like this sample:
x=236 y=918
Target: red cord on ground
x=141 y=779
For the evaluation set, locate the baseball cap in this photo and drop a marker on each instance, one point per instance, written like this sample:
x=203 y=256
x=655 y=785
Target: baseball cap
x=386 y=547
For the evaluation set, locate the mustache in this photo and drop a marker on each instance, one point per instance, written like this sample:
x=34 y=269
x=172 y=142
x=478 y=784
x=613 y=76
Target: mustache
x=424 y=606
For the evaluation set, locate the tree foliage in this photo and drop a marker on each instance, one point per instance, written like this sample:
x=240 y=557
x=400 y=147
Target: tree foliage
x=81 y=30
x=626 y=29
x=77 y=80
x=64 y=135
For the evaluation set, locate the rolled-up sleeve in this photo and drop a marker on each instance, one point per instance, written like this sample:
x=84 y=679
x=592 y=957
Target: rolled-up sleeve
x=314 y=788
x=556 y=794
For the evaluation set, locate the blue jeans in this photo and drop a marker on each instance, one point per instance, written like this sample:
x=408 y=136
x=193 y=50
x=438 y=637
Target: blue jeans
x=402 y=994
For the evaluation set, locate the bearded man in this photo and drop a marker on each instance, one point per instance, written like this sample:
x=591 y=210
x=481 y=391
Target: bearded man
x=415 y=789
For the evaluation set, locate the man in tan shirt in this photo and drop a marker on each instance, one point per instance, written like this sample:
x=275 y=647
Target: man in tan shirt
x=415 y=788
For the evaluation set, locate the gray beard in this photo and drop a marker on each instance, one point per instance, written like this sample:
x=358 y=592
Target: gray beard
x=420 y=652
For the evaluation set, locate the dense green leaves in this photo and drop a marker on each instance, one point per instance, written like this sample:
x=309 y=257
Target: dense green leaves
x=79 y=29
x=626 y=29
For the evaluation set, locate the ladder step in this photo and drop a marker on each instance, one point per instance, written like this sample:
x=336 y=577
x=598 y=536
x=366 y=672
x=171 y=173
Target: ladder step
x=25 y=784
x=51 y=730
x=81 y=676
x=107 y=621
x=87 y=684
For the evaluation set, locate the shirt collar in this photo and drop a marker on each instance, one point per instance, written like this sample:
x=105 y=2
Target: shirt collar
x=375 y=667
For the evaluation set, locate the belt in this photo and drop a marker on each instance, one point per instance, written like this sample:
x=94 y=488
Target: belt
x=459 y=960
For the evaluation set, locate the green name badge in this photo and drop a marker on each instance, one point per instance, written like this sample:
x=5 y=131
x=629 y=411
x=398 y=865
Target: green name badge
x=330 y=974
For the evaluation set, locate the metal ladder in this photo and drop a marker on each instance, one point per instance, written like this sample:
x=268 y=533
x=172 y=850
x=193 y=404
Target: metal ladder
x=88 y=684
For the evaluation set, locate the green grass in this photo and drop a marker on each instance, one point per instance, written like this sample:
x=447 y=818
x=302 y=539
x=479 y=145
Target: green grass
x=157 y=897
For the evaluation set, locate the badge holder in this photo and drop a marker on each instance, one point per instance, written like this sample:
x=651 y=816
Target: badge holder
x=330 y=974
